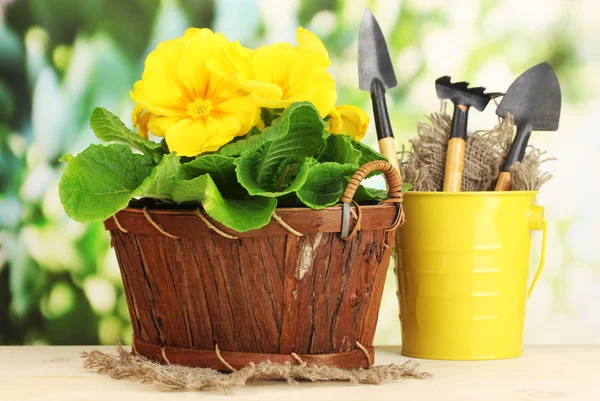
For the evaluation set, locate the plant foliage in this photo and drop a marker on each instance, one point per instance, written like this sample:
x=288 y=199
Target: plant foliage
x=294 y=159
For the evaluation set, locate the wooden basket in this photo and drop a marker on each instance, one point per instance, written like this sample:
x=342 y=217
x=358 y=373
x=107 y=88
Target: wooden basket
x=198 y=298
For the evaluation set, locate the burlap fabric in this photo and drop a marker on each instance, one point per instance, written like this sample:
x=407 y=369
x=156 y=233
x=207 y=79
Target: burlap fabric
x=424 y=165
x=128 y=365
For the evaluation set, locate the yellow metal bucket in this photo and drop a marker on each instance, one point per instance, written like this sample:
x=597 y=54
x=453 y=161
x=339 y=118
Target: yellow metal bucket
x=462 y=264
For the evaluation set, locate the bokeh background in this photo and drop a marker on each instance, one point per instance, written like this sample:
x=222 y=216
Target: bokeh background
x=59 y=280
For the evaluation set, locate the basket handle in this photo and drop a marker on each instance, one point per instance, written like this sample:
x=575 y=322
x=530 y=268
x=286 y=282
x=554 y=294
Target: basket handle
x=394 y=181
x=391 y=175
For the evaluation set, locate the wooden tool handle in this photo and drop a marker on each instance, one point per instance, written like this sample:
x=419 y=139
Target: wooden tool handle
x=504 y=182
x=455 y=162
x=391 y=175
x=387 y=147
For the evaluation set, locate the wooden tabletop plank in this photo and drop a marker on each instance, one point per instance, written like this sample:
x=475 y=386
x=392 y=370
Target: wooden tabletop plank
x=543 y=373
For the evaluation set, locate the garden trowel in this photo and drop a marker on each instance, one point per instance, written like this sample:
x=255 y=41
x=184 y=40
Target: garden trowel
x=463 y=98
x=376 y=75
x=534 y=100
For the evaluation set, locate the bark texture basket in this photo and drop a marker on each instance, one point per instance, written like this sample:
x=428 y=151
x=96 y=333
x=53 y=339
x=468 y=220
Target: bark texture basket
x=197 y=298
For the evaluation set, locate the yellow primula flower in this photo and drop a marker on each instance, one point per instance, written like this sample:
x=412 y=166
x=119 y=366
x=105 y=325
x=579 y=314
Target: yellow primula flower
x=281 y=74
x=180 y=99
x=349 y=120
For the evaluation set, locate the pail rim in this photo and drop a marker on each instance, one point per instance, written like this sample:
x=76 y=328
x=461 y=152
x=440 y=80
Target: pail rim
x=470 y=193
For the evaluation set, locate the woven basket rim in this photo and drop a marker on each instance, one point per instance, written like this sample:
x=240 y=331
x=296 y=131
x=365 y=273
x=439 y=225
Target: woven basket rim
x=183 y=222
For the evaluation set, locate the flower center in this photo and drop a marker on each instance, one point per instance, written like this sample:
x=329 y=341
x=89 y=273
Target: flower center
x=199 y=108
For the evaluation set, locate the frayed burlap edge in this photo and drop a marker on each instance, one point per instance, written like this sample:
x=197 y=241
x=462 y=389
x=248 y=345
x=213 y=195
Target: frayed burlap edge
x=527 y=175
x=127 y=365
x=423 y=167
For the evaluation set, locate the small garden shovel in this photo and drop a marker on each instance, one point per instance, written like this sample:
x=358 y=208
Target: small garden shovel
x=376 y=75
x=463 y=98
x=534 y=100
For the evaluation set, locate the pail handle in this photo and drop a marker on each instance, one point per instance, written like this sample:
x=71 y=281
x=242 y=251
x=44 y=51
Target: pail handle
x=544 y=225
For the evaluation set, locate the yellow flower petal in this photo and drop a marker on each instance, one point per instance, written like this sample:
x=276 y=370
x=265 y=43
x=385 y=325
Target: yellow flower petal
x=309 y=42
x=294 y=74
x=182 y=137
x=260 y=125
x=219 y=38
x=235 y=66
x=272 y=63
x=159 y=125
x=140 y=119
x=318 y=89
x=270 y=103
x=263 y=89
x=135 y=114
x=335 y=121
x=192 y=71
x=165 y=58
x=237 y=59
x=354 y=121
x=222 y=131
x=190 y=32
x=244 y=109
x=232 y=64
x=160 y=94
x=217 y=88
x=190 y=137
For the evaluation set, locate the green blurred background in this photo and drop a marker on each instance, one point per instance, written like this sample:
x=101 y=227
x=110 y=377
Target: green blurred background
x=59 y=280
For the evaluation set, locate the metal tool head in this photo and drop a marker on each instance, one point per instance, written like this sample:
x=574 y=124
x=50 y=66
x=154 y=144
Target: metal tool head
x=373 y=56
x=534 y=99
x=460 y=93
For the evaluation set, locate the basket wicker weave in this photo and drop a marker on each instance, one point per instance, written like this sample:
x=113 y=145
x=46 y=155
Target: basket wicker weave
x=292 y=291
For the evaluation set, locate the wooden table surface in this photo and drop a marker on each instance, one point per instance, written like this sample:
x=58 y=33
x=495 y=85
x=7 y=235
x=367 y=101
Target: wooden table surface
x=543 y=373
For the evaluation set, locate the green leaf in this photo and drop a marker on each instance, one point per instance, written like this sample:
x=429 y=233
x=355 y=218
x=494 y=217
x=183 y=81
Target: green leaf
x=220 y=168
x=100 y=181
x=246 y=167
x=239 y=215
x=288 y=171
x=252 y=142
x=161 y=181
x=365 y=194
x=305 y=137
x=299 y=116
x=66 y=158
x=339 y=149
x=367 y=153
x=369 y=194
x=268 y=115
x=325 y=184
x=110 y=128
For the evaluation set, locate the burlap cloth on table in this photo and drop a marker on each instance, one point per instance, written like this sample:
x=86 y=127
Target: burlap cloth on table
x=127 y=365
x=423 y=166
